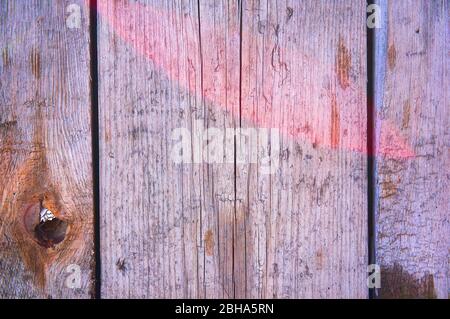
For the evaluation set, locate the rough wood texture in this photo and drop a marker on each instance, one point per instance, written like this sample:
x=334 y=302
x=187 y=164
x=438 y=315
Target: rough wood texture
x=220 y=74
x=151 y=207
x=45 y=150
x=305 y=226
x=413 y=214
x=223 y=230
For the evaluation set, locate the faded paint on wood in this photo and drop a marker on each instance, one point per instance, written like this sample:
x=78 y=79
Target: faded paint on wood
x=413 y=212
x=174 y=236
x=223 y=230
x=304 y=73
x=45 y=151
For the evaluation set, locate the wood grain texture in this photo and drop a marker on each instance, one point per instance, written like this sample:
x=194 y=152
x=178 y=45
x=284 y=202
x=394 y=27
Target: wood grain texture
x=304 y=73
x=151 y=207
x=413 y=213
x=204 y=229
x=220 y=62
x=45 y=150
x=168 y=225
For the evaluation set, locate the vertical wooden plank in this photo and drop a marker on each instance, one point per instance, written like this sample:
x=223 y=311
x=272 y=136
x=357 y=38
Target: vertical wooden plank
x=151 y=205
x=304 y=73
x=168 y=228
x=45 y=150
x=413 y=214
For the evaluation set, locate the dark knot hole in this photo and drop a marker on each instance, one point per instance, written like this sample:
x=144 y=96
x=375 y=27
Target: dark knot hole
x=51 y=232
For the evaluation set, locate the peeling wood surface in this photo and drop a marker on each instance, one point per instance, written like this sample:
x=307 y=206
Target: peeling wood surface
x=413 y=213
x=45 y=151
x=207 y=230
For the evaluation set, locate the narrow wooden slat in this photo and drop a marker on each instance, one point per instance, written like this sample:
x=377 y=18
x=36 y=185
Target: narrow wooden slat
x=151 y=207
x=220 y=53
x=304 y=73
x=45 y=150
x=413 y=213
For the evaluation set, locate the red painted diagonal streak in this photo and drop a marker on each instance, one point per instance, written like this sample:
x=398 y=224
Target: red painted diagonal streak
x=392 y=145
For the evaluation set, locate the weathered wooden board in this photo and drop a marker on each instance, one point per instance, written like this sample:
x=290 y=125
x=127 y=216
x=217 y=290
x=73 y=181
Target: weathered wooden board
x=207 y=229
x=151 y=207
x=45 y=150
x=413 y=212
x=305 y=225
x=166 y=228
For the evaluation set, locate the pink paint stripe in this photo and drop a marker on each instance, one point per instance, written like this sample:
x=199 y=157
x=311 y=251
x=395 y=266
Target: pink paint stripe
x=392 y=144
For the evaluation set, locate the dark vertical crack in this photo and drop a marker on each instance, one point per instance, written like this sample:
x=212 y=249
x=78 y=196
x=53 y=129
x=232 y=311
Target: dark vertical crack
x=235 y=224
x=207 y=125
x=371 y=148
x=241 y=10
x=240 y=63
x=95 y=145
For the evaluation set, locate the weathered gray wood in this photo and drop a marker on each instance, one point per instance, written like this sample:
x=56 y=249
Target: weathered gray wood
x=224 y=258
x=167 y=229
x=413 y=180
x=223 y=230
x=304 y=72
x=45 y=150
x=151 y=207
